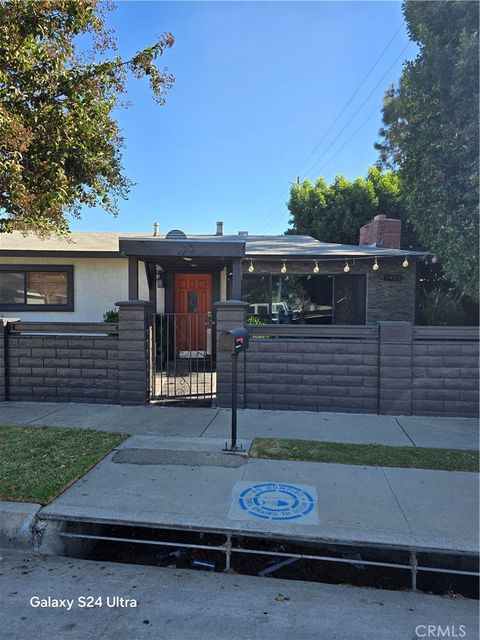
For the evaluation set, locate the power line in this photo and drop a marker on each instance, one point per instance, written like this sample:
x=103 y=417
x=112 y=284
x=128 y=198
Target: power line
x=274 y=207
x=358 y=108
x=268 y=223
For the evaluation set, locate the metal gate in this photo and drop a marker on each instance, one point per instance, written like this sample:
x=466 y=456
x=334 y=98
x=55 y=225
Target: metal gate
x=184 y=358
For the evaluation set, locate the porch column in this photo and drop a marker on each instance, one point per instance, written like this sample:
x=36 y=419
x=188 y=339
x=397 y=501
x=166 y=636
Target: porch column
x=228 y=315
x=132 y=278
x=133 y=351
x=236 y=289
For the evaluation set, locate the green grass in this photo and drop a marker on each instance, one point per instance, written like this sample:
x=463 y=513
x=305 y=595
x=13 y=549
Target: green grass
x=372 y=455
x=38 y=463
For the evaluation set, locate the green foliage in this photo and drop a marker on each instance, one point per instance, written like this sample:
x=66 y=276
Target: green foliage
x=439 y=307
x=372 y=455
x=255 y=319
x=111 y=315
x=60 y=147
x=38 y=463
x=335 y=212
x=431 y=134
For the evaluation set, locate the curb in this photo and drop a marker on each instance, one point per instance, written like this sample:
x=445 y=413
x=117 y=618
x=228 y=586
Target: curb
x=17 y=522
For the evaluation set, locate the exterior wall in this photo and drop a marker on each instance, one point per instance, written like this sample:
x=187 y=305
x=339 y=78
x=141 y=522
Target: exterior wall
x=386 y=299
x=63 y=368
x=445 y=378
x=98 y=283
x=390 y=300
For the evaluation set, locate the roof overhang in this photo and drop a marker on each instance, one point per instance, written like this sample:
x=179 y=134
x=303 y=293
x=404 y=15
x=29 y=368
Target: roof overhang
x=145 y=248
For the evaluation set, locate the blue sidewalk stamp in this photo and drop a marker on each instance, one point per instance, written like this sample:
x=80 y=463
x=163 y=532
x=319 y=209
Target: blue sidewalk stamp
x=276 y=501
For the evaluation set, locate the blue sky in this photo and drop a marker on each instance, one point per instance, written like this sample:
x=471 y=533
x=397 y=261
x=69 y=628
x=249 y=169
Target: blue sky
x=258 y=86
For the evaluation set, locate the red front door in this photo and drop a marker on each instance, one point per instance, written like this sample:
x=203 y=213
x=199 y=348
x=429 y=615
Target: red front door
x=192 y=303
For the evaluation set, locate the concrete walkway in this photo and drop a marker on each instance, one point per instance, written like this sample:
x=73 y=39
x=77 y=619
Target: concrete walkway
x=409 y=431
x=186 y=483
x=190 y=605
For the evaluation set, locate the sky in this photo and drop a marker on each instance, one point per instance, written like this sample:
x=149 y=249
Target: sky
x=264 y=92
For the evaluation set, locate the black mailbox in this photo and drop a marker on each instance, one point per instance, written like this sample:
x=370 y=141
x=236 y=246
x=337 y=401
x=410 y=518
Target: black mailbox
x=240 y=339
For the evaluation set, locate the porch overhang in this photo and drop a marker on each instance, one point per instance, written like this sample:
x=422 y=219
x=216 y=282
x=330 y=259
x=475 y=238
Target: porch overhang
x=155 y=248
x=175 y=253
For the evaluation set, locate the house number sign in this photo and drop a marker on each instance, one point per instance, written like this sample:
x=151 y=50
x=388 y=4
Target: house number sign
x=393 y=277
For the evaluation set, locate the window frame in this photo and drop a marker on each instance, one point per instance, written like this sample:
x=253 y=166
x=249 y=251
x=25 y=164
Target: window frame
x=361 y=277
x=26 y=268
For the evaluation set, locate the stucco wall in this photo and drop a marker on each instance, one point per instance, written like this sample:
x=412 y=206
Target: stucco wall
x=386 y=300
x=98 y=284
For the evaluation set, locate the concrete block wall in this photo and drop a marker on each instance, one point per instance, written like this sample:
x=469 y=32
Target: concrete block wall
x=318 y=375
x=63 y=368
x=445 y=378
x=390 y=372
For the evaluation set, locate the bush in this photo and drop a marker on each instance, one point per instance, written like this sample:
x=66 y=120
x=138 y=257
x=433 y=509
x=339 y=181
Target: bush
x=111 y=316
x=439 y=307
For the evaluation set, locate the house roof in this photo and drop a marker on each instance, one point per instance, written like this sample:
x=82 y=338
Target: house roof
x=106 y=244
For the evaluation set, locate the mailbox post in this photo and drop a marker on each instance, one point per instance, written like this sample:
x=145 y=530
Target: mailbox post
x=240 y=339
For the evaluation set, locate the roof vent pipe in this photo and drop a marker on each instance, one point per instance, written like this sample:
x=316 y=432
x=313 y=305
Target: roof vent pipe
x=219 y=229
x=155 y=229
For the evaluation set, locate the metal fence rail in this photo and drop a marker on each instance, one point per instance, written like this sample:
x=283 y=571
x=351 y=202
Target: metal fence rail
x=60 y=328
x=359 y=332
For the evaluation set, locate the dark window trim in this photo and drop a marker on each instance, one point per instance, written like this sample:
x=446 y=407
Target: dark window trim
x=25 y=268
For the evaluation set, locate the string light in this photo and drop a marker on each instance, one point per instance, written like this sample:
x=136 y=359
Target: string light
x=375 y=266
x=405 y=263
x=284 y=268
x=316 y=268
x=346 y=268
x=251 y=268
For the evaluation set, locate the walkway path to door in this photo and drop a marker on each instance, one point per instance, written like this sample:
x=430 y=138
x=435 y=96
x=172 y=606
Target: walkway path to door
x=456 y=433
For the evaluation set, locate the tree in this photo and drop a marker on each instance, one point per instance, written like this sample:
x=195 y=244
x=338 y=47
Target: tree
x=60 y=147
x=431 y=134
x=335 y=212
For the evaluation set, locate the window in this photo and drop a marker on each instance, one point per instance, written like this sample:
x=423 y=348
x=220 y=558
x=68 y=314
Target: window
x=256 y=291
x=26 y=287
x=306 y=299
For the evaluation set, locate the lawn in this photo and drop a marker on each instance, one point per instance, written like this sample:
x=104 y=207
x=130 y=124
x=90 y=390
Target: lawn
x=38 y=463
x=373 y=455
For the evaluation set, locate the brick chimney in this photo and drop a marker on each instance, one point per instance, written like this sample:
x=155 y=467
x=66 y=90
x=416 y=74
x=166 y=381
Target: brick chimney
x=381 y=232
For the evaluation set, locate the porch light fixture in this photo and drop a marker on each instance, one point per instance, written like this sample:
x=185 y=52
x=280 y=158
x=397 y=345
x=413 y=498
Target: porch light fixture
x=284 y=268
x=405 y=263
x=316 y=268
x=346 y=268
x=375 y=266
x=251 y=268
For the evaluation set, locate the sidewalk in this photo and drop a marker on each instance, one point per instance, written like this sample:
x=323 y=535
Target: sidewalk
x=186 y=483
x=408 y=431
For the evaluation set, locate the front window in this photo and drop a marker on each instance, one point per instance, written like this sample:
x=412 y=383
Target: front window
x=305 y=299
x=23 y=288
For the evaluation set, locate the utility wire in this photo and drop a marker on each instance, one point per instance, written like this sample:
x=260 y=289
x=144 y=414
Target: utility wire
x=268 y=224
x=274 y=207
x=358 y=108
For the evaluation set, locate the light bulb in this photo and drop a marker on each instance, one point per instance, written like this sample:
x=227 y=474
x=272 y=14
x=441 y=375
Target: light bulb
x=251 y=268
x=316 y=268
x=284 y=268
x=346 y=268
x=375 y=265
x=405 y=263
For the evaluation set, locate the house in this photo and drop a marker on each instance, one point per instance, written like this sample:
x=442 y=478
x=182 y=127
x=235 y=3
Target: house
x=285 y=279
